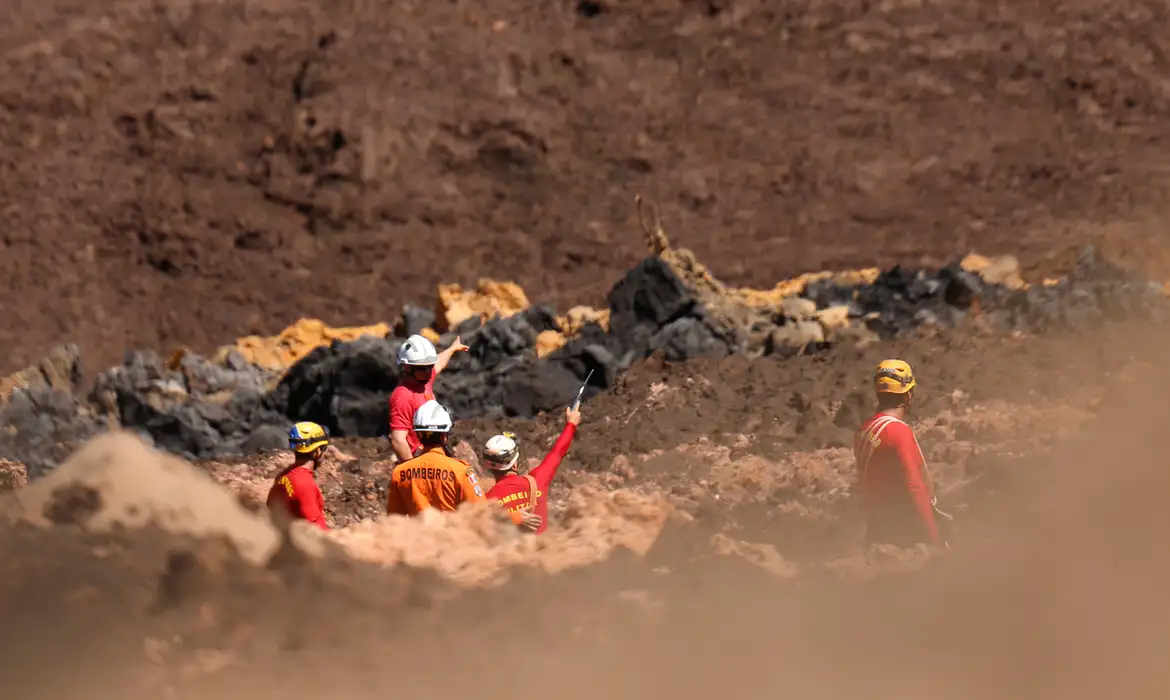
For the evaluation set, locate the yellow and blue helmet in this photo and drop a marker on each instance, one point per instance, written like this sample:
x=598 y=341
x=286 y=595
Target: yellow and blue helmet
x=894 y=377
x=306 y=436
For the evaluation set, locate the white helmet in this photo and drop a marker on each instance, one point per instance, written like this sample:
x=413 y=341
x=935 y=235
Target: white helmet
x=417 y=350
x=431 y=417
x=501 y=452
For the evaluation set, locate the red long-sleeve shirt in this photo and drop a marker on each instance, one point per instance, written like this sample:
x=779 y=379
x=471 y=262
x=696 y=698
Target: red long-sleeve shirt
x=511 y=492
x=296 y=492
x=895 y=487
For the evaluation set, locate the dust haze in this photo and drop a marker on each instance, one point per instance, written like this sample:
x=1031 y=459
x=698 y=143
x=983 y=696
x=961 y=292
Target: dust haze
x=1053 y=588
x=181 y=174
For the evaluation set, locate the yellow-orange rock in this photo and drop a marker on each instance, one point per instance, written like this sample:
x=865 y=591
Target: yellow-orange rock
x=488 y=299
x=796 y=286
x=1004 y=270
x=833 y=317
x=284 y=350
x=548 y=342
x=576 y=318
x=57 y=370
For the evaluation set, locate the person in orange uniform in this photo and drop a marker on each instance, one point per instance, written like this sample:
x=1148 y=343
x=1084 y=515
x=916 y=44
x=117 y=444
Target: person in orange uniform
x=295 y=493
x=433 y=479
x=897 y=496
x=421 y=364
x=527 y=496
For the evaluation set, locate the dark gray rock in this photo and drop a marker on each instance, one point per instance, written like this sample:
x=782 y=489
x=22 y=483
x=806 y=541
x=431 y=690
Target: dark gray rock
x=538 y=387
x=688 y=337
x=648 y=296
x=960 y=288
x=414 y=320
x=499 y=339
x=541 y=317
x=41 y=426
x=345 y=386
x=203 y=409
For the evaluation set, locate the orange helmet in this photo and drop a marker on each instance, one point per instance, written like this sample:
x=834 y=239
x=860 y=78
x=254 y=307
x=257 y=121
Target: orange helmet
x=893 y=377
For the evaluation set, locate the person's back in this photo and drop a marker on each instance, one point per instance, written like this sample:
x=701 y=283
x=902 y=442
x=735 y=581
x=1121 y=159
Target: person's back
x=295 y=494
x=512 y=491
x=432 y=480
x=894 y=485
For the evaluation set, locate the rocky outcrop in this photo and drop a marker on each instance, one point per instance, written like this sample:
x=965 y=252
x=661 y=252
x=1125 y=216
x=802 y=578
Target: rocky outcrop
x=526 y=361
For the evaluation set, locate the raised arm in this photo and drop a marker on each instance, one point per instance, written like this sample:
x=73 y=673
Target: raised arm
x=445 y=356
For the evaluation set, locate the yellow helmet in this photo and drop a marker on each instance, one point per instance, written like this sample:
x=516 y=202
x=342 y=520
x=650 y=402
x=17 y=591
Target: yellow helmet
x=306 y=436
x=893 y=377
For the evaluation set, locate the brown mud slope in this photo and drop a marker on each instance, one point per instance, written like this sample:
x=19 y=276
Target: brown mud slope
x=748 y=445
x=181 y=174
x=815 y=401
x=1063 y=598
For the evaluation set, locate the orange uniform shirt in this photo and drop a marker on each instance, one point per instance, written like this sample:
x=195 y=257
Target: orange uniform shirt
x=432 y=480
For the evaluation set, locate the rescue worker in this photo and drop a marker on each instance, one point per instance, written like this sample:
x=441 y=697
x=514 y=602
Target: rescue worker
x=420 y=364
x=526 y=496
x=895 y=488
x=433 y=479
x=295 y=492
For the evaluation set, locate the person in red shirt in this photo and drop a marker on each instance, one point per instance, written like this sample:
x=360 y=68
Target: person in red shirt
x=897 y=496
x=526 y=497
x=420 y=363
x=294 y=492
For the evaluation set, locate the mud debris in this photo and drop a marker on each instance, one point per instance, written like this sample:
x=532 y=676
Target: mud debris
x=524 y=362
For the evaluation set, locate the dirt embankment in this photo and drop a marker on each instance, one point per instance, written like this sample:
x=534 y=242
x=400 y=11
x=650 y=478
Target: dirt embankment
x=247 y=174
x=228 y=168
x=1057 y=568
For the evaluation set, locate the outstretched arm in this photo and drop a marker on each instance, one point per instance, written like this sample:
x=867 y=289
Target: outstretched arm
x=546 y=471
x=445 y=356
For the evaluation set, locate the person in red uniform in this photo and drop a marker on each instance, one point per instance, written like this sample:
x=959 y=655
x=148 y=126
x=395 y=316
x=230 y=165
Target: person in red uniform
x=895 y=488
x=421 y=364
x=294 y=492
x=527 y=496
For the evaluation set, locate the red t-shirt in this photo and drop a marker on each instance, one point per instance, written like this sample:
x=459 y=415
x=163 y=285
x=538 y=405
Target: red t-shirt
x=406 y=398
x=895 y=486
x=296 y=492
x=511 y=492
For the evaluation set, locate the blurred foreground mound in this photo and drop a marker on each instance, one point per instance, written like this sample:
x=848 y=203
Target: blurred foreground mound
x=117 y=482
x=143 y=612
x=472 y=547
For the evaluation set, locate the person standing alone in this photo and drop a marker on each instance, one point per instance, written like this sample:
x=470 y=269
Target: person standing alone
x=897 y=496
